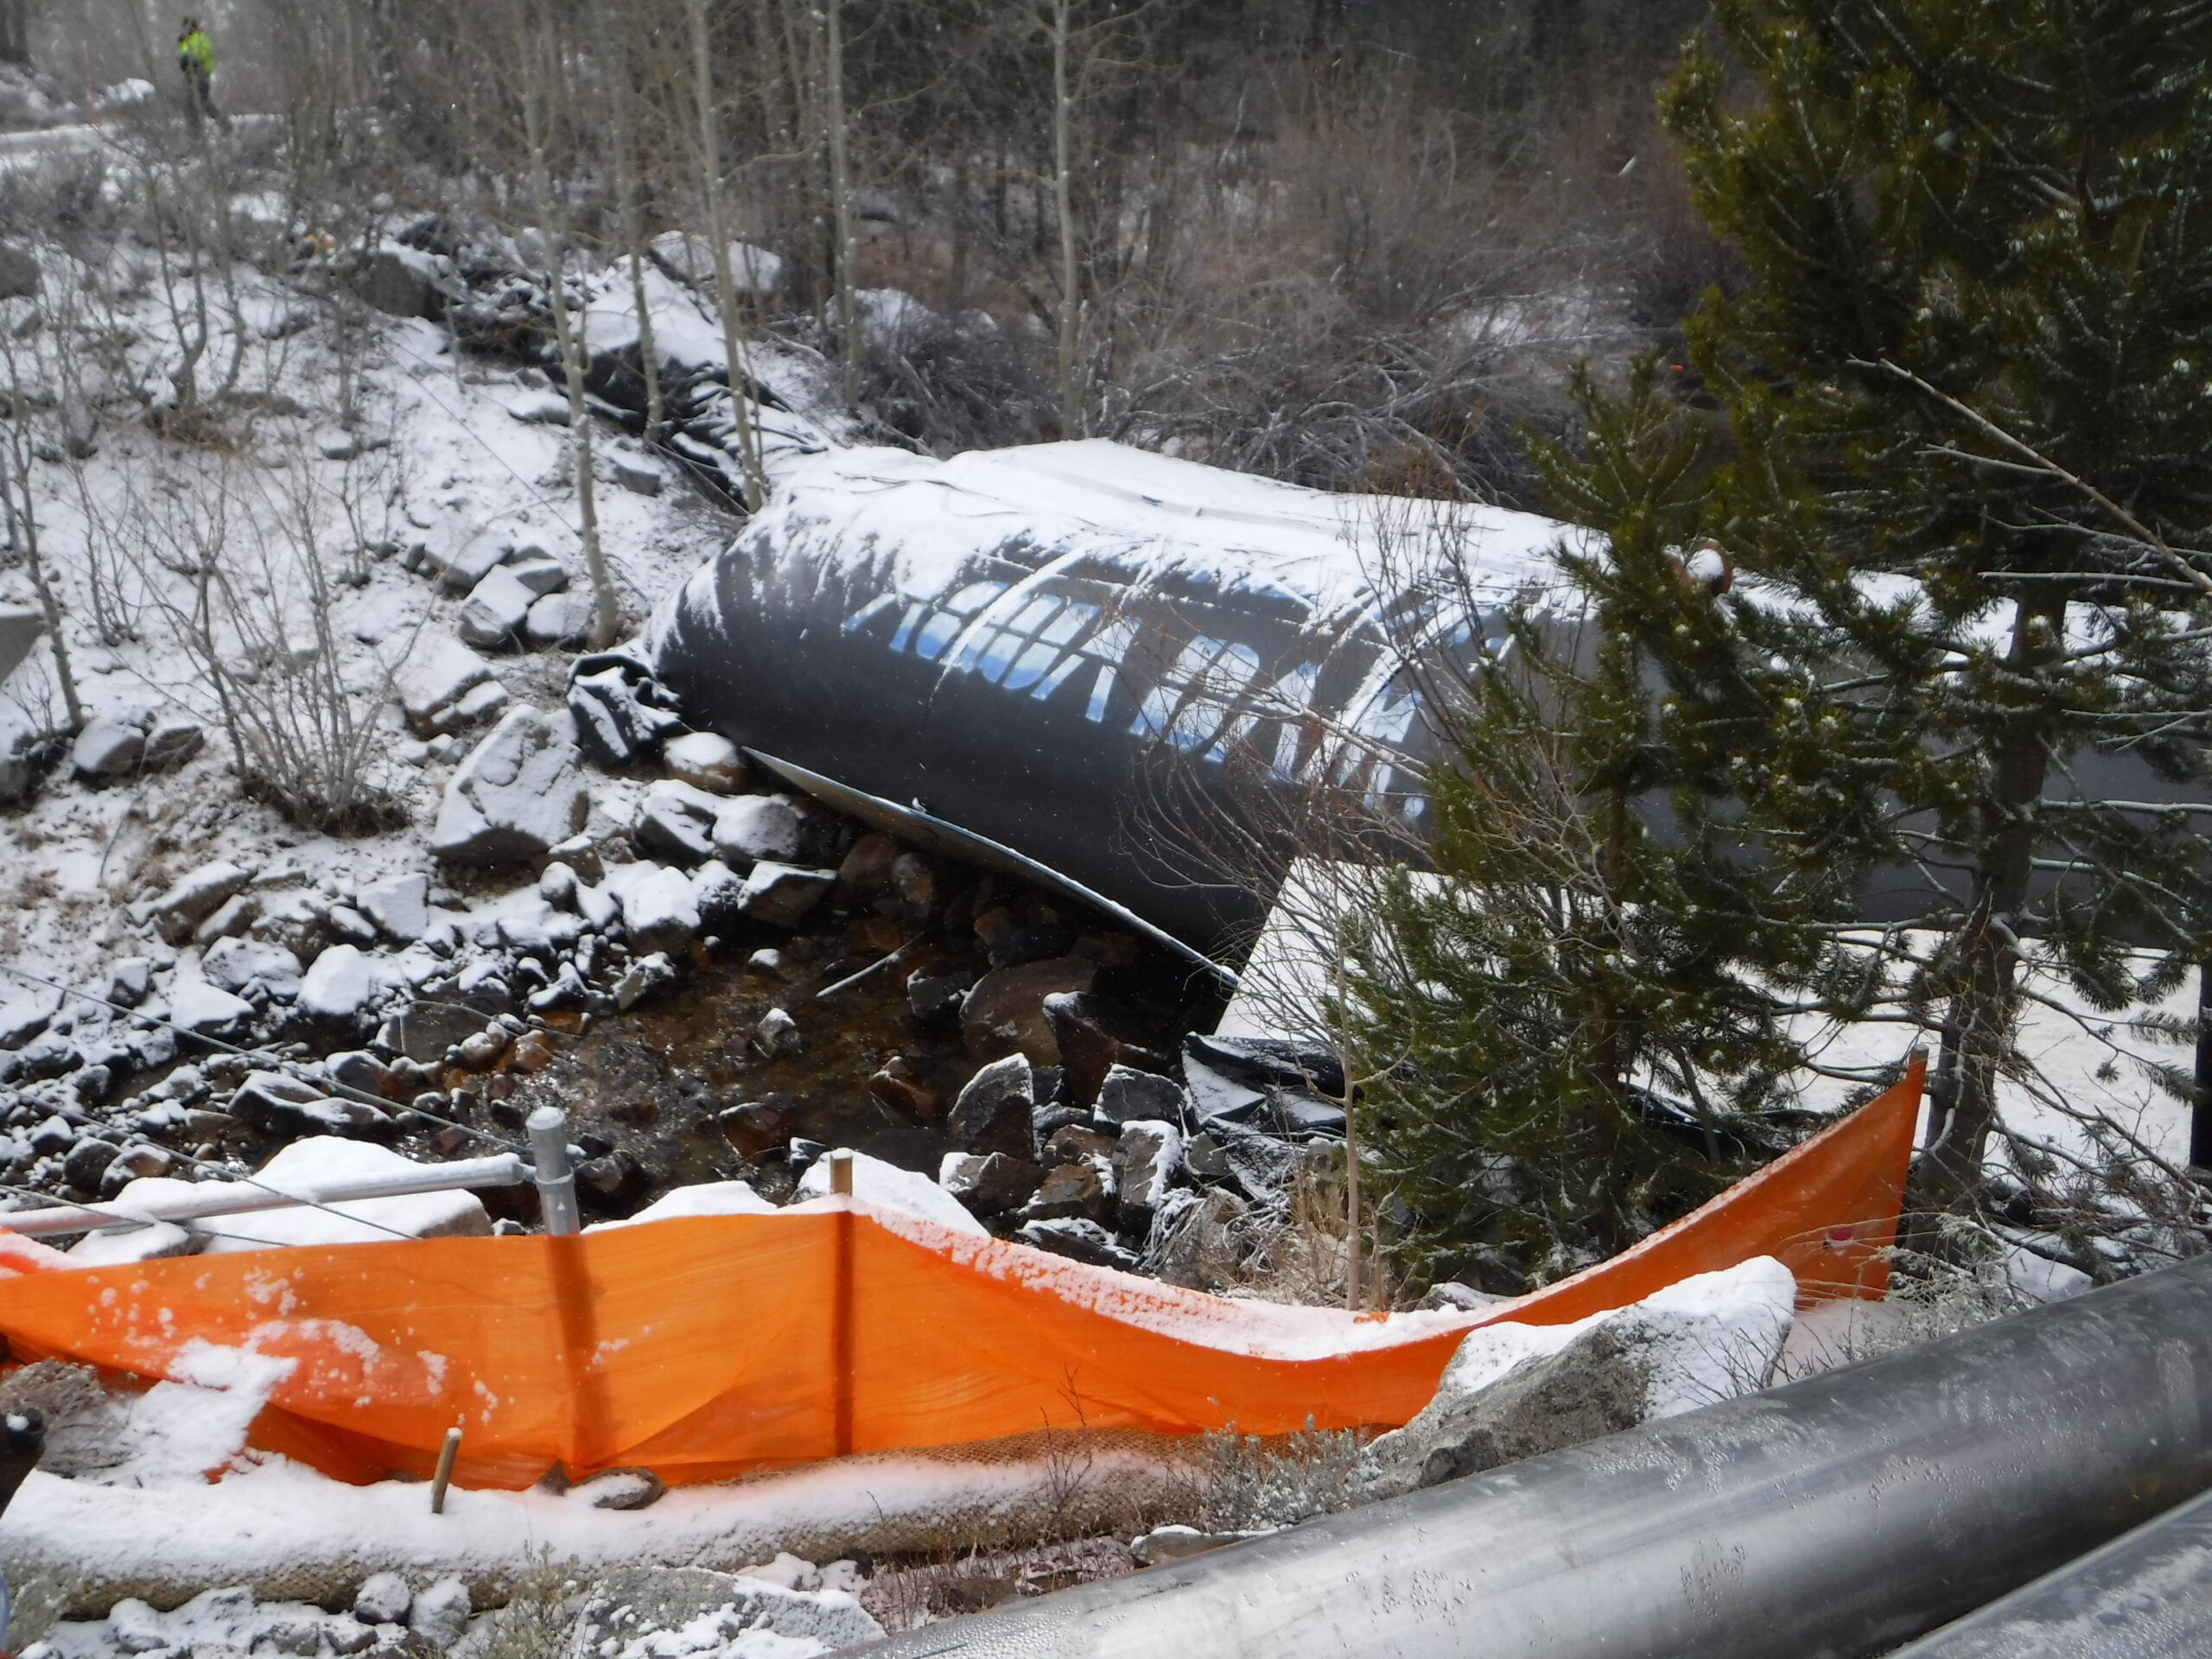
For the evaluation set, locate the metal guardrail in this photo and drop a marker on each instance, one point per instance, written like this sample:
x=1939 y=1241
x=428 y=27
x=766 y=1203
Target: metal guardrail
x=2147 y=1595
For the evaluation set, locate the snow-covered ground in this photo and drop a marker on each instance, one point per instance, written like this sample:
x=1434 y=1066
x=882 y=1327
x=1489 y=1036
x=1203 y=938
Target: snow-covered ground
x=2082 y=1073
x=311 y=545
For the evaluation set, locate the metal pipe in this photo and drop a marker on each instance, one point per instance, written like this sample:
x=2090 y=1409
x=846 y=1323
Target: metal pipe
x=1836 y=1518
x=2147 y=1595
x=242 y=1198
x=556 y=1181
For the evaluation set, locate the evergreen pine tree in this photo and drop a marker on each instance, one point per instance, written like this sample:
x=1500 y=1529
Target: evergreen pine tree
x=1971 y=388
x=1578 y=1020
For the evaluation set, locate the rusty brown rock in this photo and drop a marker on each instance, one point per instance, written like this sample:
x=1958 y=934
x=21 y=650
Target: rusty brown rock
x=759 y=1126
x=917 y=884
x=866 y=867
x=1070 y=1190
x=899 y=1086
x=531 y=1054
x=1005 y=1014
x=1092 y=1036
x=877 y=936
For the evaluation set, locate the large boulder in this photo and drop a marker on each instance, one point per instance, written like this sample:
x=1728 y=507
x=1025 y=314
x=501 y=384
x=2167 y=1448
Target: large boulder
x=438 y=673
x=996 y=1111
x=492 y=614
x=519 y=793
x=400 y=281
x=1005 y=1014
x=781 y=895
x=195 y=896
x=620 y=710
x=1515 y=1391
x=705 y=760
x=562 y=618
x=759 y=826
x=110 y=746
x=399 y=905
x=689 y=257
x=20 y=627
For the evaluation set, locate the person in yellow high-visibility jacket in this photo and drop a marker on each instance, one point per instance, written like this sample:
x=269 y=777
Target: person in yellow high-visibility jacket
x=196 y=60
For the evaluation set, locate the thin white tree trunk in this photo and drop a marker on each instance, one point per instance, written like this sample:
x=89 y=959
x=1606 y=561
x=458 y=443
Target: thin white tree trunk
x=625 y=186
x=606 y=611
x=740 y=406
x=840 y=198
x=1063 y=205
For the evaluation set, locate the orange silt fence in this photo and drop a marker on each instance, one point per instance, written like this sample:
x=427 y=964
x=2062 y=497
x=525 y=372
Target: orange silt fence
x=704 y=1348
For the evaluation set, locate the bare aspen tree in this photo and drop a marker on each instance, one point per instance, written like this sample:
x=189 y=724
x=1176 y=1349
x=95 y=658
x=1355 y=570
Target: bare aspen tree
x=606 y=612
x=621 y=97
x=741 y=407
x=840 y=194
x=21 y=502
x=1063 y=206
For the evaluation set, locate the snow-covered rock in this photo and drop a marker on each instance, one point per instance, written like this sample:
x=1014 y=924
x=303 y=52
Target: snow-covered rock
x=20 y=627
x=195 y=895
x=562 y=618
x=636 y=474
x=539 y=408
x=658 y=912
x=152 y=1244
x=887 y=1186
x=617 y=715
x=383 y=1598
x=399 y=905
x=438 y=670
x=496 y=608
x=703 y=1198
x=777 y=1033
x=678 y=818
x=706 y=761
x=542 y=576
x=306 y=1167
x=520 y=792
x=344 y=984
x=24 y=1012
x=235 y=963
x=207 y=1009
x=1513 y=1390
x=459 y=554
x=110 y=746
x=689 y=258
x=781 y=895
x=439 y=1613
x=646 y=975
x=758 y=826
x=1147 y=1160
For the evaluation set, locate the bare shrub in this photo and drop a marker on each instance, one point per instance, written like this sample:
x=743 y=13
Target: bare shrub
x=539 y=1621
x=245 y=566
x=908 y=1594
x=1250 y=1483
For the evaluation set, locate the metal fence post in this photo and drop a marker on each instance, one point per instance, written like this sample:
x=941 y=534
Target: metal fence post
x=556 y=1182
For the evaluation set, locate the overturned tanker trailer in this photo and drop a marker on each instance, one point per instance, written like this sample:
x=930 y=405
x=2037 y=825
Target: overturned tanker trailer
x=1008 y=654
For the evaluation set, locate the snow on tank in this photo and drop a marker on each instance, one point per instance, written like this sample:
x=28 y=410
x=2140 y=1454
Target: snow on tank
x=1014 y=643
